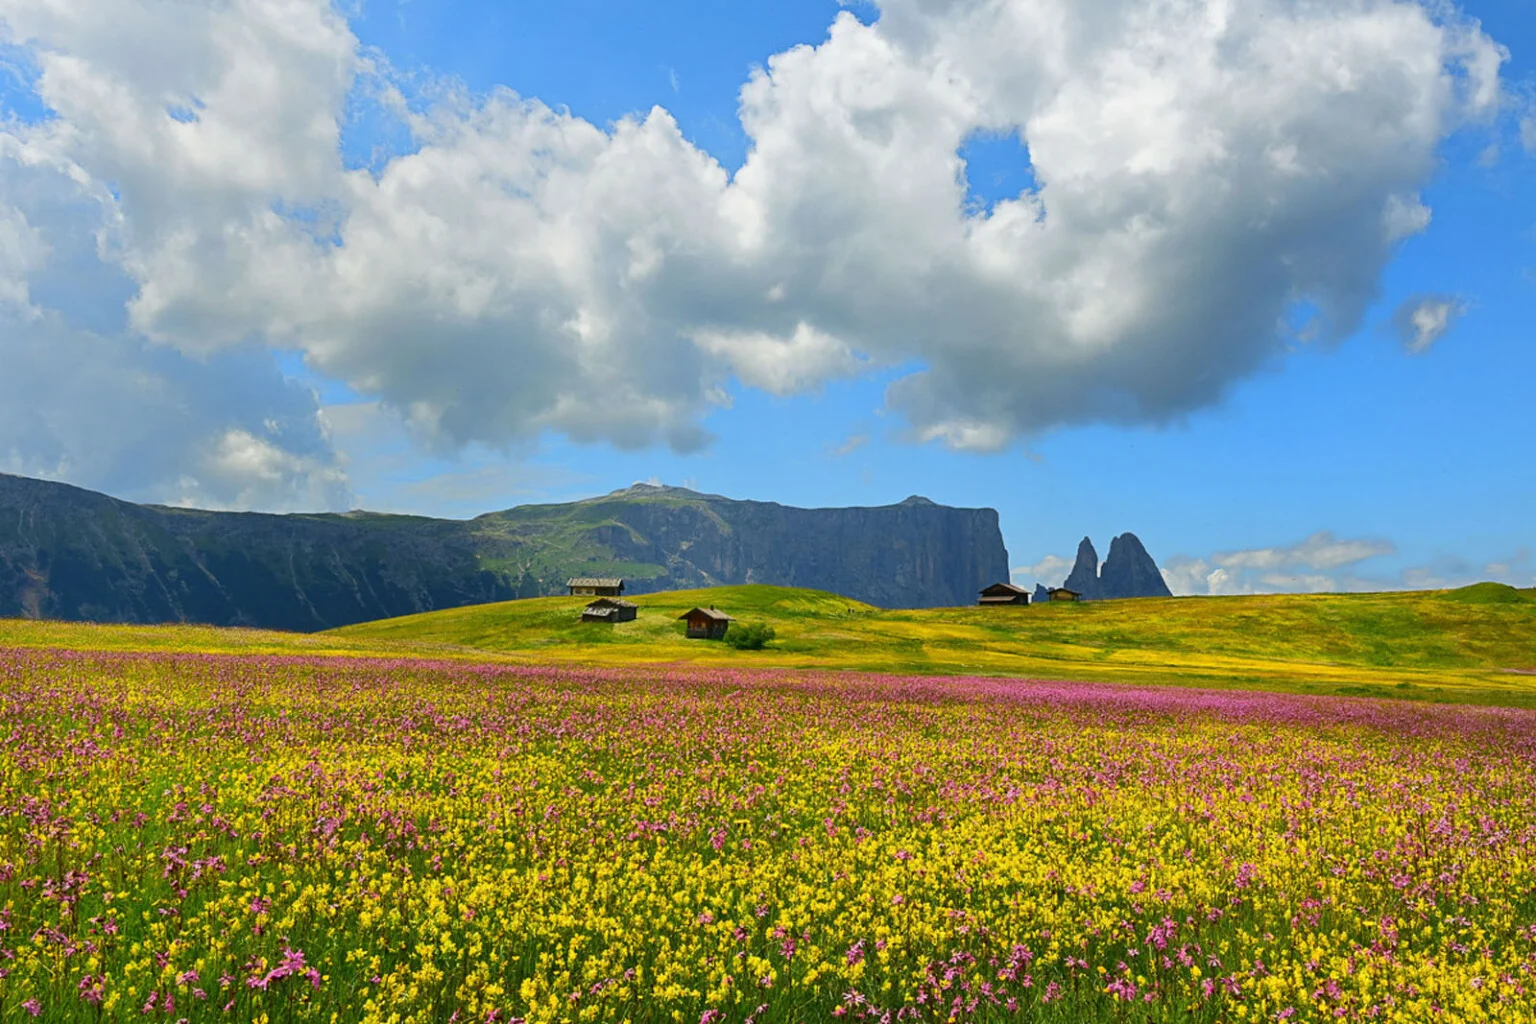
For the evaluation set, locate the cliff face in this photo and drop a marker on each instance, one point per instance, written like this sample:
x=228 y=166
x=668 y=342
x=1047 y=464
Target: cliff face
x=66 y=553
x=72 y=554
x=1084 y=577
x=1129 y=571
x=915 y=554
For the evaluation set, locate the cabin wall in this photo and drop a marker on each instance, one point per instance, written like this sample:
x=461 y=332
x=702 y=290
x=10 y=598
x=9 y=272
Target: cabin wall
x=706 y=629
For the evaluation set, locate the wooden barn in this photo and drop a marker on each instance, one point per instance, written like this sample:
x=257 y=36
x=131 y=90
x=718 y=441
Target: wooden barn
x=595 y=586
x=706 y=623
x=1063 y=594
x=1004 y=593
x=609 y=609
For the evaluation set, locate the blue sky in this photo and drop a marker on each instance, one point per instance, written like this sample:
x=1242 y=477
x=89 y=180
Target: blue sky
x=1384 y=456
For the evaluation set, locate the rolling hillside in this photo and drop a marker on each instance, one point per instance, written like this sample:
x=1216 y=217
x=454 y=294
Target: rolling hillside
x=1477 y=644
x=1439 y=643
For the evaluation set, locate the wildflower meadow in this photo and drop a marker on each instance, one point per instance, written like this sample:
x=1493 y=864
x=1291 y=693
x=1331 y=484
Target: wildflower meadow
x=190 y=837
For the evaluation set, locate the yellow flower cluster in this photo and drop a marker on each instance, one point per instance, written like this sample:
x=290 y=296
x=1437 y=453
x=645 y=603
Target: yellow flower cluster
x=289 y=839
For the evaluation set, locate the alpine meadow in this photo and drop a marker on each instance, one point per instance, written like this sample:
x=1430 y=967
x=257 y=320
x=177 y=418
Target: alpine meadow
x=591 y=512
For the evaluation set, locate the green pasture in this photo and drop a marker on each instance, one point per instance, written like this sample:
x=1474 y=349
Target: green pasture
x=1476 y=644
x=1471 y=644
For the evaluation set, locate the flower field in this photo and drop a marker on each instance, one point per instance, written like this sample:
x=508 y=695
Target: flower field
x=236 y=838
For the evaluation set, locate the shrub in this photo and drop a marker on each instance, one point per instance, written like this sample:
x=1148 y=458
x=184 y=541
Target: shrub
x=752 y=636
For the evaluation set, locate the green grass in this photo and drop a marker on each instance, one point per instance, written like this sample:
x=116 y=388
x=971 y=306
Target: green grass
x=1477 y=644
x=1489 y=593
x=1448 y=645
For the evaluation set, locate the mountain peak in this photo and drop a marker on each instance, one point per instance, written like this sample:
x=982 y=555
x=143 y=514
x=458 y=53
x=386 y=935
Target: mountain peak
x=646 y=489
x=1129 y=571
x=1084 y=577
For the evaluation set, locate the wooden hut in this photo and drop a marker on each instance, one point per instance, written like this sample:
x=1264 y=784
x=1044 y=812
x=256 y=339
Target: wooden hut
x=1004 y=593
x=595 y=586
x=706 y=623
x=1063 y=594
x=609 y=609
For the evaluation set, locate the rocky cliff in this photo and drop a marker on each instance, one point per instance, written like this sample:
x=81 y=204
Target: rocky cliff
x=1129 y=571
x=1084 y=577
x=73 y=554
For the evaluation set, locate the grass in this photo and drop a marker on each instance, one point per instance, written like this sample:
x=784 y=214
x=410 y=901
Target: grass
x=1444 y=645
x=1475 y=645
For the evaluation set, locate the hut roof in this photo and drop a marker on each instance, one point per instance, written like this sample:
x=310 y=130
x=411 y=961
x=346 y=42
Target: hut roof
x=709 y=613
x=594 y=581
x=1001 y=589
x=1064 y=590
x=611 y=602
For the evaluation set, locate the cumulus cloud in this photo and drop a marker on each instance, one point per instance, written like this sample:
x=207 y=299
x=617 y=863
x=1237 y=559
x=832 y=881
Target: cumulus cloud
x=85 y=399
x=781 y=366
x=107 y=412
x=1312 y=565
x=1195 y=170
x=1422 y=320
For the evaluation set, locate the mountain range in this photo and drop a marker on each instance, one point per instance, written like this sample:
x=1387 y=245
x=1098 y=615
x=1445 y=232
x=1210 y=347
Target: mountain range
x=1129 y=571
x=68 y=553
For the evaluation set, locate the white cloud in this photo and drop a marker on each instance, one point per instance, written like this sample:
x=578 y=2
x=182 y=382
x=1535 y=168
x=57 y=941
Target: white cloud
x=1198 y=168
x=108 y=412
x=1324 y=563
x=781 y=365
x=21 y=250
x=1050 y=570
x=242 y=470
x=1422 y=320
x=848 y=447
x=1528 y=133
x=99 y=202
x=1518 y=565
x=1311 y=565
x=1322 y=550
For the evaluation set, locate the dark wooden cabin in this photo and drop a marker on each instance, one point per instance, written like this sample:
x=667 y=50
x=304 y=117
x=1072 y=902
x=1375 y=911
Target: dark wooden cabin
x=1004 y=593
x=706 y=623
x=1063 y=594
x=609 y=609
x=595 y=586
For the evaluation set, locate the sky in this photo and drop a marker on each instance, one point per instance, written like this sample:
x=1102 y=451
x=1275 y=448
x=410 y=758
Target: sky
x=1253 y=281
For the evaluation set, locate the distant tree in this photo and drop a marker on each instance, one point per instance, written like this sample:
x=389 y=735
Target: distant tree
x=752 y=636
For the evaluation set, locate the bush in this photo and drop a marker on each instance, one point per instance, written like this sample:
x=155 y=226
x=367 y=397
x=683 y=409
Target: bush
x=753 y=636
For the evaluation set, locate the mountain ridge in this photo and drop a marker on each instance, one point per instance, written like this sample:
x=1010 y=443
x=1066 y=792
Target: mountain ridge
x=71 y=553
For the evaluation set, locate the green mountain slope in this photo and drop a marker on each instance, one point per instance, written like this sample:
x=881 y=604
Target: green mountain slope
x=72 y=554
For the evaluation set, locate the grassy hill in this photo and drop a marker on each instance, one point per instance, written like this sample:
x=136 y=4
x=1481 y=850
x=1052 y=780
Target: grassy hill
x=1458 y=644
x=1473 y=644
